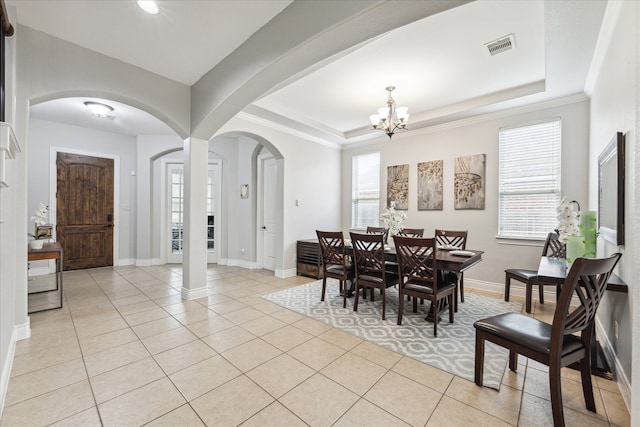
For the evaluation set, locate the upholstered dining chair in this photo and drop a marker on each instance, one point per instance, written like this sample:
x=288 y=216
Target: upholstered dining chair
x=370 y=266
x=458 y=239
x=380 y=230
x=419 y=278
x=557 y=344
x=411 y=232
x=336 y=263
x=553 y=247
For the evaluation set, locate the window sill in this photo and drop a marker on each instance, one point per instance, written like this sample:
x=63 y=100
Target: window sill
x=520 y=241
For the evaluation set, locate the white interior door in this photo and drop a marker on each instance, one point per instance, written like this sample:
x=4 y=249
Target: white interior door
x=175 y=198
x=269 y=212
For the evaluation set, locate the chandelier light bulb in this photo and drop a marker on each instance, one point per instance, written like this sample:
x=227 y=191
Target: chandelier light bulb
x=390 y=119
x=149 y=7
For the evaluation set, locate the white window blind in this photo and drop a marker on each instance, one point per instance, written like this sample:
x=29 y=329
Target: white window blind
x=529 y=180
x=365 y=190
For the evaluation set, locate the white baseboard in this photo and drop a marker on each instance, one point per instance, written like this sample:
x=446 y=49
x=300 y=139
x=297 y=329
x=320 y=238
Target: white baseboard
x=624 y=385
x=19 y=332
x=191 y=294
x=283 y=274
x=249 y=265
x=517 y=289
x=147 y=262
x=126 y=261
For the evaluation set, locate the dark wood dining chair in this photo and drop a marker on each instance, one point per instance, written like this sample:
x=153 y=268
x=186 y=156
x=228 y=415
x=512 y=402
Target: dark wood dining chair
x=555 y=345
x=418 y=277
x=411 y=232
x=458 y=239
x=336 y=263
x=553 y=247
x=379 y=230
x=370 y=266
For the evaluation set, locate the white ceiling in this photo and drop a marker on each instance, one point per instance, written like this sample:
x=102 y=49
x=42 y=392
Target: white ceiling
x=440 y=65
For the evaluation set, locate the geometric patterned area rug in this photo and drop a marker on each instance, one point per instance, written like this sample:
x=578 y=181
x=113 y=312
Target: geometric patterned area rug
x=453 y=350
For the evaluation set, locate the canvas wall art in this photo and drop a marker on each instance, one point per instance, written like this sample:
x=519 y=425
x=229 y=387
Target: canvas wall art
x=398 y=186
x=468 y=182
x=430 y=185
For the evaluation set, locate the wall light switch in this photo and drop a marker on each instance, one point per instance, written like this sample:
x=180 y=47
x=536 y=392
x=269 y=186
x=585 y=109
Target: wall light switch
x=297 y=202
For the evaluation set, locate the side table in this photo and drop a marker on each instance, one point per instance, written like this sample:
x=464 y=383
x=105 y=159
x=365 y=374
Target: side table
x=49 y=251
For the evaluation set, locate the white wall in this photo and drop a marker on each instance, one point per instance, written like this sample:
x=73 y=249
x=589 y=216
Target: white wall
x=45 y=136
x=149 y=148
x=14 y=324
x=615 y=107
x=479 y=136
x=312 y=175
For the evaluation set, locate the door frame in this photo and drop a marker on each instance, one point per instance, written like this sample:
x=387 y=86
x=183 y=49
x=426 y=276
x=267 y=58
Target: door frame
x=261 y=158
x=164 y=203
x=53 y=180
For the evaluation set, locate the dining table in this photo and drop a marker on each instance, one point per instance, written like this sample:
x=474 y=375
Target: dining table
x=447 y=259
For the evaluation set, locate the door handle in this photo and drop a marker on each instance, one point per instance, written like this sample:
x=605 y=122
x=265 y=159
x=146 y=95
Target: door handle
x=109 y=226
x=264 y=227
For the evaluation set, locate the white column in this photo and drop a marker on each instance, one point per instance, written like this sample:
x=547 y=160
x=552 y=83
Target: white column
x=195 y=219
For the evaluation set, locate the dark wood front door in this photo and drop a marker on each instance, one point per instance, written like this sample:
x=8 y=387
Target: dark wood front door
x=85 y=210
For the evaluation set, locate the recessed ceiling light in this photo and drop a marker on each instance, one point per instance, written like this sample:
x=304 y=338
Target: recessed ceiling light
x=100 y=110
x=149 y=6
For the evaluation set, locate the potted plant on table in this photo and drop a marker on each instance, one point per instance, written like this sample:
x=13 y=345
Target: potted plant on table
x=393 y=219
x=39 y=218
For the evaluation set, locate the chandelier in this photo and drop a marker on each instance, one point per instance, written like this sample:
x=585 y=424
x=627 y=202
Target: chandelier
x=390 y=119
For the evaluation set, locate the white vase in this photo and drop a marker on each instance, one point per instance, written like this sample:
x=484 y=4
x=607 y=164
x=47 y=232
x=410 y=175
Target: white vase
x=36 y=244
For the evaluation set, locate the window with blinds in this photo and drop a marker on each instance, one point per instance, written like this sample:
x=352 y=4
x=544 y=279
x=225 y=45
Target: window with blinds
x=529 y=180
x=365 y=190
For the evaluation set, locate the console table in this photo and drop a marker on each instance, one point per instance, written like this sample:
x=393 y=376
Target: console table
x=49 y=251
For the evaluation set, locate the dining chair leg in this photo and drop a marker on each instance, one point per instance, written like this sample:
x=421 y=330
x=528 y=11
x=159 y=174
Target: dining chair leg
x=513 y=361
x=450 y=311
x=434 y=306
x=461 y=289
x=587 y=386
x=400 y=308
x=355 y=298
x=555 y=389
x=345 y=291
x=528 y=290
x=541 y=293
x=415 y=304
x=324 y=287
x=479 y=359
x=507 y=287
x=455 y=298
x=384 y=303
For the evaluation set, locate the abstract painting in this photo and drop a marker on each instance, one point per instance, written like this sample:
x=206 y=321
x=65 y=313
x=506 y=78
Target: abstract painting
x=468 y=182
x=398 y=186
x=430 y=185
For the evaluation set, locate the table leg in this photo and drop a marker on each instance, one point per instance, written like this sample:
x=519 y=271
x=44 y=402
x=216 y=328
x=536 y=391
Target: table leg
x=442 y=306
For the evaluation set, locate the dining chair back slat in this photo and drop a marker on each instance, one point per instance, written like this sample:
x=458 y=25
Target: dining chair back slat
x=336 y=263
x=370 y=266
x=419 y=278
x=379 y=230
x=458 y=239
x=553 y=247
x=411 y=232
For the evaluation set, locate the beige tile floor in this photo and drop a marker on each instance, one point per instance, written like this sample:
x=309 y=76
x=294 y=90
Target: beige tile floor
x=126 y=350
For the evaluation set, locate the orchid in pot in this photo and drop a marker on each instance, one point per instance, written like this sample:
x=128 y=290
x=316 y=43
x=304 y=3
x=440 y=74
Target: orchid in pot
x=39 y=218
x=568 y=216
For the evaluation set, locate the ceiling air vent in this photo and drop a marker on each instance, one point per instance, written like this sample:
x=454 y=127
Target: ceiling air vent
x=503 y=44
